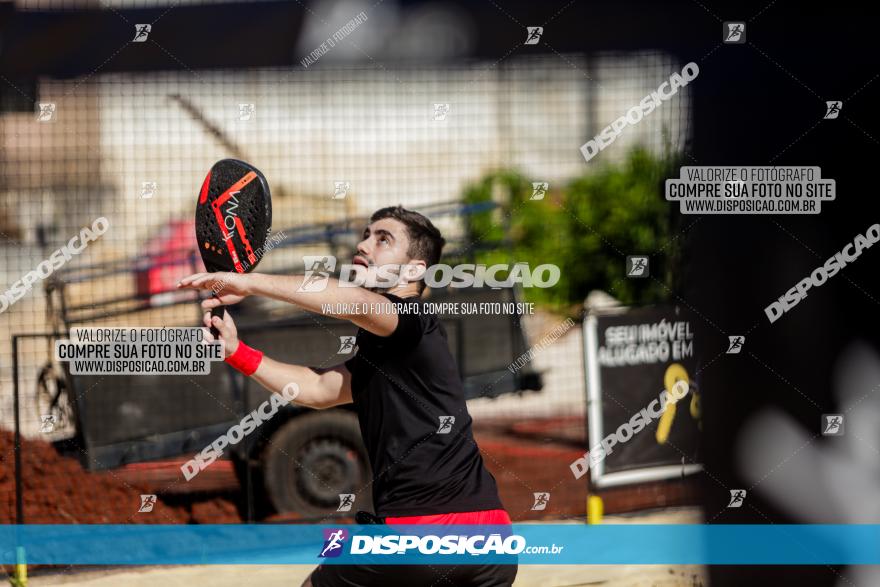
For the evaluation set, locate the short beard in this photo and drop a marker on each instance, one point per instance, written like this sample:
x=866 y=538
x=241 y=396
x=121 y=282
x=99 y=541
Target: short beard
x=384 y=290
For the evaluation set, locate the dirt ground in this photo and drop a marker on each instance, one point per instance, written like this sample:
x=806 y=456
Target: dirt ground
x=293 y=575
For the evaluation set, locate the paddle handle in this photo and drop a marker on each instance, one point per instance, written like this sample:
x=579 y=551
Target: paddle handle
x=218 y=311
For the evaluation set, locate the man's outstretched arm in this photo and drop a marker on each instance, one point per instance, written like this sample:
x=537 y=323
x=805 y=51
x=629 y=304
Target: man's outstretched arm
x=231 y=288
x=285 y=288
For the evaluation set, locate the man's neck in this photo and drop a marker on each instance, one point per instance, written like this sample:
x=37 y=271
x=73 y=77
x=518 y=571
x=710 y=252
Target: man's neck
x=410 y=290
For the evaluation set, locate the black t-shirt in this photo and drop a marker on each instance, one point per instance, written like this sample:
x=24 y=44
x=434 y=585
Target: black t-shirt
x=405 y=388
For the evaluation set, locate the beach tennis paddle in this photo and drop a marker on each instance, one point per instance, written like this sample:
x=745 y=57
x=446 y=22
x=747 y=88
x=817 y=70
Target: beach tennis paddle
x=233 y=219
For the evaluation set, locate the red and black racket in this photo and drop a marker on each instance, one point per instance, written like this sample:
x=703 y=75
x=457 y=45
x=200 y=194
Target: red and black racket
x=233 y=218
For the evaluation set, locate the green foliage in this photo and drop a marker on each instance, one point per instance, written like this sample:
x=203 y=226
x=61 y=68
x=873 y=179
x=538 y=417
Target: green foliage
x=587 y=228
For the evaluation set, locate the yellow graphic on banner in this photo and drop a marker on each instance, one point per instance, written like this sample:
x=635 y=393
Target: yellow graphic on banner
x=675 y=373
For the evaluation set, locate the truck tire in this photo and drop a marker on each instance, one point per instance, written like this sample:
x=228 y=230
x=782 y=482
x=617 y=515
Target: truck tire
x=312 y=459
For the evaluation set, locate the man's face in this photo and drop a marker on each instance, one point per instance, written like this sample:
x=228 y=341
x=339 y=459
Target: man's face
x=385 y=243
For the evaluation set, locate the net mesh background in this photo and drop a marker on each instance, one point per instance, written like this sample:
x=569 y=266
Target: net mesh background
x=135 y=147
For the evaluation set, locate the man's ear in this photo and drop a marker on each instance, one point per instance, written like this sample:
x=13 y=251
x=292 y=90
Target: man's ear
x=413 y=271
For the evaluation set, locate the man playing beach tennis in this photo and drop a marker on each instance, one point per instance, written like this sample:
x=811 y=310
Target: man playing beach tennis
x=406 y=391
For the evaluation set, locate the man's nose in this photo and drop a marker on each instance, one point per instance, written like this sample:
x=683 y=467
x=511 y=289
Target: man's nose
x=363 y=247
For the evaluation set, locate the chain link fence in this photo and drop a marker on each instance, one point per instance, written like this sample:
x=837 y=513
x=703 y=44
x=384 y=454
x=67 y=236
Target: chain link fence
x=336 y=143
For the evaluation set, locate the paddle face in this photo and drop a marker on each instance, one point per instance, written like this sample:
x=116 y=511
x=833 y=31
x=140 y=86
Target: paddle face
x=233 y=216
x=233 y=219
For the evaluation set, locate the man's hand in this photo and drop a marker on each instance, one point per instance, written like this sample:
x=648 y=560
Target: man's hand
x=226 y=327
x=228 y=288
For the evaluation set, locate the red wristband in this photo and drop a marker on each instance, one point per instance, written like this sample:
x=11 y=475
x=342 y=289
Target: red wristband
x=245 y=359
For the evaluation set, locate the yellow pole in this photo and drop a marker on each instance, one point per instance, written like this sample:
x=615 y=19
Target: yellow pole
x=19 y=578
x=595 y=509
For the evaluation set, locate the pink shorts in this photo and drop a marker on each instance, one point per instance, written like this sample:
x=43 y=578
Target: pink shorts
x=482 y=517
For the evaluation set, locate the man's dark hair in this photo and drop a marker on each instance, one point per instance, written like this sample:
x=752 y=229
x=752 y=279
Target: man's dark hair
x=425 y=241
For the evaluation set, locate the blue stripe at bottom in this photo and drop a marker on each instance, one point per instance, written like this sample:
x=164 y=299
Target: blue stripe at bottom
x=557 y=544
